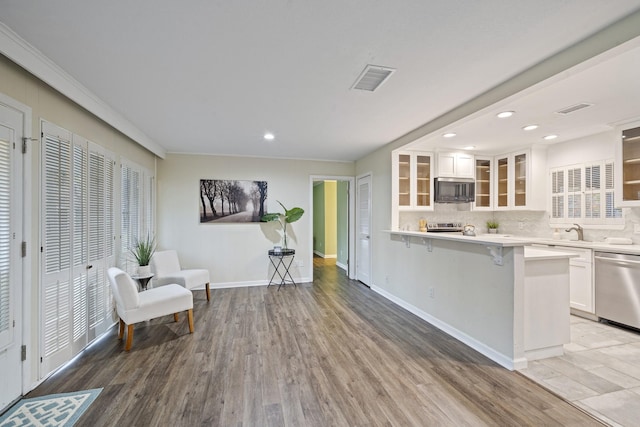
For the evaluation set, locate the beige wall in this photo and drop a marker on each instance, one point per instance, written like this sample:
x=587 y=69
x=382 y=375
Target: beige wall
x=236 y=254
x=49 y=105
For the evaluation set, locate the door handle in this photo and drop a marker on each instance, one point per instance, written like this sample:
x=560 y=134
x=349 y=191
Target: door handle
x=624 y=262
x=89 y=267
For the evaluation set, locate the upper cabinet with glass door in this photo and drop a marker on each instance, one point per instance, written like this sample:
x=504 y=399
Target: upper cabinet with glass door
x=627 y=166
x=412 y=180
x=484 y=178
x=520 y=180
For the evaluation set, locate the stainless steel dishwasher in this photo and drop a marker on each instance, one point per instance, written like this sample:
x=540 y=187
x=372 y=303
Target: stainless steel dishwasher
x=617 y=283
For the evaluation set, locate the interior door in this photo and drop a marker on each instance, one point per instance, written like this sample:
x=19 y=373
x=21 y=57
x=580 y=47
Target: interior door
x=78 y=246
x=363 y=227
x=10 y=269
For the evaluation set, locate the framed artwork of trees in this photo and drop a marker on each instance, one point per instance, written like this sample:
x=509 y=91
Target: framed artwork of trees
x=226 y=201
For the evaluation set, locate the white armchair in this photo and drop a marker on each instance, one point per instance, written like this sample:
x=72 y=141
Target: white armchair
x=133 y=307
x=165 y=267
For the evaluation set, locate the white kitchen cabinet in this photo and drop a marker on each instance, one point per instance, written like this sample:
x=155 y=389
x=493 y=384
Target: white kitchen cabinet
x=456 y=165
x=412 y=180
x=520 y=180
x=581 y=285
x=582 y=295
x=484 y=183
x=627 y=166
x=546 y=302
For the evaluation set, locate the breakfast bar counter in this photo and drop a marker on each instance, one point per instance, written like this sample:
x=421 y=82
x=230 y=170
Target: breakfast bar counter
x=497 y=294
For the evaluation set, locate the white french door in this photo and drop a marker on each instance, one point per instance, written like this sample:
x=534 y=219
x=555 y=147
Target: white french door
x=363 y=227
x=77 y=244
x=11 y=134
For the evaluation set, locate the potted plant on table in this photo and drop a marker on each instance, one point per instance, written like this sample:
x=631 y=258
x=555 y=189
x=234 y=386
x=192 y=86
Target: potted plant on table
x=492 y=226
x=289 y=216
x=142 y=251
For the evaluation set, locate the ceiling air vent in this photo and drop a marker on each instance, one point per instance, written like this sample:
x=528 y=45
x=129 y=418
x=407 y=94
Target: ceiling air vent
x=372 y=77
x=573 y=108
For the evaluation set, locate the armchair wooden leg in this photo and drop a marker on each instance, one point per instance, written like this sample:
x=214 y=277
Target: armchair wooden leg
x=208 y=291
x=175 y=317
x=127 y=346
x=190 y=317
x=121 y=329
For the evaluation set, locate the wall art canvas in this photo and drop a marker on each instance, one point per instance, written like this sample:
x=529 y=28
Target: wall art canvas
x=227 y=201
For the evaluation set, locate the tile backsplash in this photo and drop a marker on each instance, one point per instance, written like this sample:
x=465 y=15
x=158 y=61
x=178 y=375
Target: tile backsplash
x=519 y=223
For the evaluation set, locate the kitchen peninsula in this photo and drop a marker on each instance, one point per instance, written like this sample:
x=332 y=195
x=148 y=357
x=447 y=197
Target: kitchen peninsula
x=501 y=297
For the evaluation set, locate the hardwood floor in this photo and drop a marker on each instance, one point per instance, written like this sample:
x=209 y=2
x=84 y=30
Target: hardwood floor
x=328 y=353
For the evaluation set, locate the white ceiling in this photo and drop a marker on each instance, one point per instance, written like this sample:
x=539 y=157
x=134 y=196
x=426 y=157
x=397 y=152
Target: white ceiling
x=609 y=83
x=212 y=76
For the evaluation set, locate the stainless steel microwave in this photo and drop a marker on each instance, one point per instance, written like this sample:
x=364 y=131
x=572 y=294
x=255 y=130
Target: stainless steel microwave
x=454 y=190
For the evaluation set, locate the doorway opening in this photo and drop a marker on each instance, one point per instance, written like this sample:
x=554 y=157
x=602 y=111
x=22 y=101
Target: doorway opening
x=332 y=219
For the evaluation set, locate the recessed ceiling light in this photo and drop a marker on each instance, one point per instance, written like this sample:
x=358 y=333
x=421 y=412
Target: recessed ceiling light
x=549 y=137
x=449 y=135
x=469 y=147
x=530 y=127
x=269 y=136
x=505 y=114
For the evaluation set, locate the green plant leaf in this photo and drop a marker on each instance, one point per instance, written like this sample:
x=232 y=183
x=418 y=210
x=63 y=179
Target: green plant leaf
x=270 y=217
x=143 y=250
x=294 y=214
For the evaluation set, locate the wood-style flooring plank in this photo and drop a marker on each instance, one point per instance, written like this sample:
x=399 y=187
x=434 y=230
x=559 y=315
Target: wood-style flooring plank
x=327 y=353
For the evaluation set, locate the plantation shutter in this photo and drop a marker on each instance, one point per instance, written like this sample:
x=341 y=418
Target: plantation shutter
x=77 y=245
x=130 y=206
x=557 y=194
x=100 y=241
x=610 y=210
x=6 y=329
x=57 y=247
x=592 y=191
x=574 y=190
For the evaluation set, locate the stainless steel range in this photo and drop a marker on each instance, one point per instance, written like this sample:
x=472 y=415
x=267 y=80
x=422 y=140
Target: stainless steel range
x=444 y=226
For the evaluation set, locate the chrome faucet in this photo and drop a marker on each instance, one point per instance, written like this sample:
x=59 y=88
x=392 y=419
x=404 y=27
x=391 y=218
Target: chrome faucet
x=578 y=229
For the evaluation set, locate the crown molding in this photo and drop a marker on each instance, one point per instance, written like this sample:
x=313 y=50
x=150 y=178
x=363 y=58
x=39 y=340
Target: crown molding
x=35 y=62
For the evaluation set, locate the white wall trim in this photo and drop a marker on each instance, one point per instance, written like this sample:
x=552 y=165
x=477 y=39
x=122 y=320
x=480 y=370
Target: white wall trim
x=323 y=255
x=341 y=265
x=499 y=358
x=28 y=57
x=27 y=192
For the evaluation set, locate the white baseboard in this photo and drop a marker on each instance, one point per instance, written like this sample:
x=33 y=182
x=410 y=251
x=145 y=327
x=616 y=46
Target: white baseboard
x=341 y=265
x=227 y=285
x=480 y=347
x=323 y=255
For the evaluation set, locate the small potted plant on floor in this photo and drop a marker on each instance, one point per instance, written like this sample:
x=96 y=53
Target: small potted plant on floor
x=492 y=226
x=142 y=251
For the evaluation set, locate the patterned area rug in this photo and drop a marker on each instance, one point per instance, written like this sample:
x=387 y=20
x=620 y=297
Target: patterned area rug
x=60 y=410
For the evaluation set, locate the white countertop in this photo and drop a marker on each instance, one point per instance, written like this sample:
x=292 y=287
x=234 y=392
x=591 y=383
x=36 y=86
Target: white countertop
x=539 y=254
x=508 y=240
x=483 y=239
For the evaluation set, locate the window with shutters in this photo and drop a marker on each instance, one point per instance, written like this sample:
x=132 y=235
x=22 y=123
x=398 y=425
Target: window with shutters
x=77 y=246
x=584 y=194
x=136 y=207
x=557 y=194
x=574 y=193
